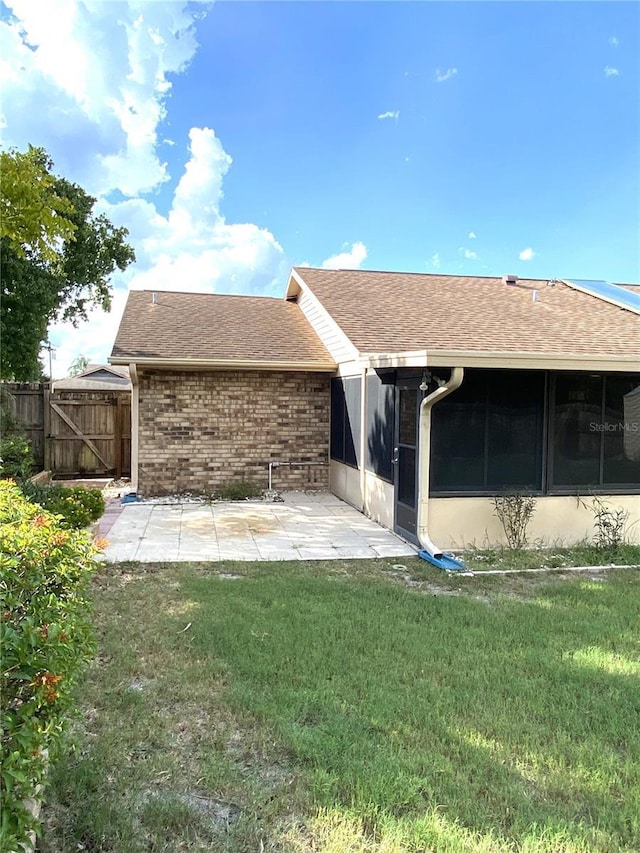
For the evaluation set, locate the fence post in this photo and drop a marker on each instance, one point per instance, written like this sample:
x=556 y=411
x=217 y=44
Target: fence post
x=46 y=440
x=117 y=439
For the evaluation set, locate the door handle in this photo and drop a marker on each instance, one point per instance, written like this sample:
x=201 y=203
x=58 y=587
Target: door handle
x=394 y=458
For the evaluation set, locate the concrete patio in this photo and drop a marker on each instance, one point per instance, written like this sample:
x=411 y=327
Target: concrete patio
x=302 y=527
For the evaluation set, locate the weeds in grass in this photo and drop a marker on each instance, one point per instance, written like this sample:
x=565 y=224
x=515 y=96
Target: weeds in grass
x=515 y=511
x=610 y=524
x=236 y=490
x=582 y=554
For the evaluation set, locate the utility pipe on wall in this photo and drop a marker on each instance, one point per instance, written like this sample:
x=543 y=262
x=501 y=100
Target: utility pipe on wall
x=424 y=451
x=276 y=464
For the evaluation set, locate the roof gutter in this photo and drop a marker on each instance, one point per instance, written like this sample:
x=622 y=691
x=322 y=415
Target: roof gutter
x=225 y=364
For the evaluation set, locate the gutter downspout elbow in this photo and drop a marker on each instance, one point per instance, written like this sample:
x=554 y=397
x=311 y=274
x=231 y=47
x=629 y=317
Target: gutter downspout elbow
x=430 y=551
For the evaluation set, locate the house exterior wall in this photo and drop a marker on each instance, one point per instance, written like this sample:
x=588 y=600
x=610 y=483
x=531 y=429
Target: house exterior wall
x=459 y=522
x=198 y=430
x=345 y=484
x=378 y=499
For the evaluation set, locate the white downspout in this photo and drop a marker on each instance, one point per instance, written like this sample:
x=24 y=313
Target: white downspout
x=424 y=457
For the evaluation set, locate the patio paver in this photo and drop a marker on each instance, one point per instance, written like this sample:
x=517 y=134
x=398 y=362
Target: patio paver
x=303 y=526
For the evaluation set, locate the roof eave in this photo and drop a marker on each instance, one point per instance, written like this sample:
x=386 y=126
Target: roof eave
x=307 y=365
x=495 y=359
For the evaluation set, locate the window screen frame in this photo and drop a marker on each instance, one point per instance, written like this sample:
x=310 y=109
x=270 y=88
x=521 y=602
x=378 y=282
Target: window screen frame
x=378 y=393
x=602 y=487
x=345 y=420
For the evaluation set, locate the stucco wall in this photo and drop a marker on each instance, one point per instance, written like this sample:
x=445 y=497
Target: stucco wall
x=378 y=499
x=201 y=429
x=345 y=483
x=459 y=522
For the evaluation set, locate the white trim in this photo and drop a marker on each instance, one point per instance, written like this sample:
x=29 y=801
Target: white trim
x=135 y=425
x=228 y=364
x=412 y=358
x=519 y=360
x=301 y=285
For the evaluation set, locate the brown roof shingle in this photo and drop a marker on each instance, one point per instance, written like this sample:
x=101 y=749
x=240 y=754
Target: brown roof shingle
x=398 y=312
x=216 y=327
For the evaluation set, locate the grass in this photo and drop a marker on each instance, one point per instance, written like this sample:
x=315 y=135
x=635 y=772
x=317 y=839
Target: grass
x=351 y=706
x=556 y=557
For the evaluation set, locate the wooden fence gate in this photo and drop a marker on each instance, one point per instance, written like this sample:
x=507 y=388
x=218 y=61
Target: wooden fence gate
x=75 y=432
x=88 y=436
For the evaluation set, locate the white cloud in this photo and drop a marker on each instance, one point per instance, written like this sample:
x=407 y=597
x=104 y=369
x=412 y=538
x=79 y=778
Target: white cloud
x=435 y=260
x=192 y=248
x=613 y=41
x=468 y=254
x=526 y=254
x=441 y=76
x=394 y=115
x=472 y=235
x=348 y=260
x=96 y=76
x=611 y=72
x=89 y=81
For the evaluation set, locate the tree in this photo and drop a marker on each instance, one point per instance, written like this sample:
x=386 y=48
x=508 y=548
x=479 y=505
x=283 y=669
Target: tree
x=57 y=272
x=79 y=363
x=32 y=213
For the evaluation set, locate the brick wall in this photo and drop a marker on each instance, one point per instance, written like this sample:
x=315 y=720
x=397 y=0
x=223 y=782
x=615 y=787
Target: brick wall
x=201 y=429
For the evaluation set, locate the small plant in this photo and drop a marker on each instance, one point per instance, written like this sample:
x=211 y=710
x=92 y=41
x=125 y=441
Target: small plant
x=515 y=511
x=77 y=506
x=610 y=524
x=237 y=490
x=46 y=639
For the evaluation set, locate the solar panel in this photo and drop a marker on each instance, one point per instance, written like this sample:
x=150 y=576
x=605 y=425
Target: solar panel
x=607 y=291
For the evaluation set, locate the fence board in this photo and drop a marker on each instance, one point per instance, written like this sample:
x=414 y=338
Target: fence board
x=75 y=432
x=26 y=403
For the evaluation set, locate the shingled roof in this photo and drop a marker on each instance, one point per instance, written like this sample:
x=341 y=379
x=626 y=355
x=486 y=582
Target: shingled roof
x=400 y=312
x=216 y=329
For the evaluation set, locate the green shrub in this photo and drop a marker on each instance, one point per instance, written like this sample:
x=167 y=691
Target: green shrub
x=46 y=640
x=79 y=507
x=16 y=458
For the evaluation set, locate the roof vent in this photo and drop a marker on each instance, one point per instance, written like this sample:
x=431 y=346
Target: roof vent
x=509 y=279
x=154 y=298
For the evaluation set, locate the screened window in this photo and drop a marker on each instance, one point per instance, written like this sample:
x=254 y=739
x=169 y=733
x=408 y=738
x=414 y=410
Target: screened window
x=345 y=420
x=596 y=431
x=488 y=435
x=380 y=413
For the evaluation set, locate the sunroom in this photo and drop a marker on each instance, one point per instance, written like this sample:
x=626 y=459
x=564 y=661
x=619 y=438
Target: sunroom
x=562 y=436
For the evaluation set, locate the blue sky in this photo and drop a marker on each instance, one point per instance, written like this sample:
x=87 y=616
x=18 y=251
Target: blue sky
x=236 y=139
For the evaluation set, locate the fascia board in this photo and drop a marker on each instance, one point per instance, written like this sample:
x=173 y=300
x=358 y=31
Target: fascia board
x=225 y=364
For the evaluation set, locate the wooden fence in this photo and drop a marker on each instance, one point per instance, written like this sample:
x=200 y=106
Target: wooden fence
x=26 y=402
x=75 y=432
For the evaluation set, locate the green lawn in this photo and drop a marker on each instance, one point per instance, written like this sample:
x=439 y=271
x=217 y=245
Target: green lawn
x=348 y=706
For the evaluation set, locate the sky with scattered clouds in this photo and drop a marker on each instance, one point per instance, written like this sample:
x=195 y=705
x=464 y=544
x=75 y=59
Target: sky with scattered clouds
x=236 y=139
